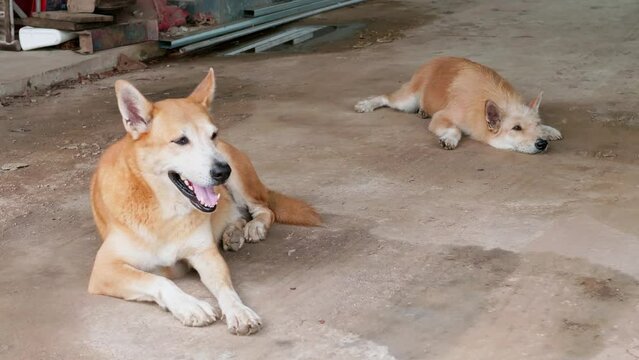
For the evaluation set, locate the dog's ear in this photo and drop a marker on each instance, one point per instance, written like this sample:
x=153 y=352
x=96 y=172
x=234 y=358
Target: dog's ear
x=135 y=108
x=203 y=93
x=493 y=115
x=534 y=103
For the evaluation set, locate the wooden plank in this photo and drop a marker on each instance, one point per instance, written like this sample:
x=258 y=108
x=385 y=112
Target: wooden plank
x=57 y=24
x=74 y=17
x=7 y=26
x=108 y=37
x=81 y=6
x=7 y=38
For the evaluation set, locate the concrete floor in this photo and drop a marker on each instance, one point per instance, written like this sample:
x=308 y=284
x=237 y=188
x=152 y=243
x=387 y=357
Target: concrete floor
x=474 y=253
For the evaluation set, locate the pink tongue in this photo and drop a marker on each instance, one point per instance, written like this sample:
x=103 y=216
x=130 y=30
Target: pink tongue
x=206 y=196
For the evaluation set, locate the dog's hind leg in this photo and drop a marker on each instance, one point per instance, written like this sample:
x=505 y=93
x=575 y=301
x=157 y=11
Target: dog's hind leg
x=448 y=134
x=372 y=103
x=405 y=99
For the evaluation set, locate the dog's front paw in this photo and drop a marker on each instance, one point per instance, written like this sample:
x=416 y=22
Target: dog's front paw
x=448 y=143
x=423 y=114
x=364 y=106
x=233 y=236
x=193 y=312
x=255 y=231
x=241 y=320
x=550 y=133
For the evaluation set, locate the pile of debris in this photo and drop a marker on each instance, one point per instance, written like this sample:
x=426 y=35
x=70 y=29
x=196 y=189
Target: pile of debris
x=182 y=25
x=90 y=25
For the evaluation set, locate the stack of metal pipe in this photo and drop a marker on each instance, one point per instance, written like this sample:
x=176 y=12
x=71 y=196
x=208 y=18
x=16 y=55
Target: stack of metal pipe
x=255 y=19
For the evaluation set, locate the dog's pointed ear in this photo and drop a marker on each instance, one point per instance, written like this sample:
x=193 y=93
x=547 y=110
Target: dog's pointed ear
x=203 y=93
x=493 y=115
x=136 y=110
x=534 y=103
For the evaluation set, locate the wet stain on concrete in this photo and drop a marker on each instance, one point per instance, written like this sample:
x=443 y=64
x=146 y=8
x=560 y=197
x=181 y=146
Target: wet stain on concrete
x=462 y=294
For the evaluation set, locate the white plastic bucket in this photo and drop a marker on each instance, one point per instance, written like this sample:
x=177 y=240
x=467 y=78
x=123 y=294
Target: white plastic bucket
x=35 y=38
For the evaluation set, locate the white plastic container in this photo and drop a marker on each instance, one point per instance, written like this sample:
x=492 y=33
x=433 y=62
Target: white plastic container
x=35 y=38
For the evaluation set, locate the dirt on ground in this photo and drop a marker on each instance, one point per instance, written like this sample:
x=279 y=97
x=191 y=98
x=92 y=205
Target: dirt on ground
x=385 y=21
x=474 y=253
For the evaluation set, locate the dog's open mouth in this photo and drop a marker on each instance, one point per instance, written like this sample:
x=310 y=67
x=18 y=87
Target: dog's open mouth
x=203 y=198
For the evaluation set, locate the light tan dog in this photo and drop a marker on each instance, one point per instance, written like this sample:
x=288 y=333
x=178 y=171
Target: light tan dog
x=466 y=97
x=162 y=198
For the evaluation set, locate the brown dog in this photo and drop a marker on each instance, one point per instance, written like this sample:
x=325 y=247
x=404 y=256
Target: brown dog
x=163 y=197
x=466 y=97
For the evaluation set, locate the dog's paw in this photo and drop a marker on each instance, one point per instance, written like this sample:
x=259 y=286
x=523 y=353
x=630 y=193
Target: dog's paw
x=241 y=320
x=233 y=236
x=550 y=133
x=364 y=106
x=448 y=143
x=193 y=312
x=255 y=231
x=423 y=114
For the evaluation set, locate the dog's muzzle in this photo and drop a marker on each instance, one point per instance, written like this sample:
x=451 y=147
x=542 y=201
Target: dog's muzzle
x=203 y=198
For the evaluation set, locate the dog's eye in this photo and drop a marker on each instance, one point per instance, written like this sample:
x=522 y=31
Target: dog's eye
x=517 y=128
x=214 y=136
x=182 y=141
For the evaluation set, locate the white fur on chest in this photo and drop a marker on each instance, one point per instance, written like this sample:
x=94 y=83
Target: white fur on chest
x=148 y=252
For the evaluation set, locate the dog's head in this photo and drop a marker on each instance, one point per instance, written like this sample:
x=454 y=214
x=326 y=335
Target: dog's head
x=175 y=141
x=517 y=127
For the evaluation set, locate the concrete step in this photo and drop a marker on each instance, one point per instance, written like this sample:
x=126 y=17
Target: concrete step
x=34 y=70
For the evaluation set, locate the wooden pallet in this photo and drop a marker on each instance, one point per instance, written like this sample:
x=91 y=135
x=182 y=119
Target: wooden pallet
x=74 y=17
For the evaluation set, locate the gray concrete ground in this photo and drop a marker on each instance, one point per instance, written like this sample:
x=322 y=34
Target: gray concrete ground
x=425 y=253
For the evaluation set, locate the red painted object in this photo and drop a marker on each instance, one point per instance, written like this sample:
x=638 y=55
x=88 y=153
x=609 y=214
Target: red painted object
x=169 y=15
x=43 y=5
x=29 y=6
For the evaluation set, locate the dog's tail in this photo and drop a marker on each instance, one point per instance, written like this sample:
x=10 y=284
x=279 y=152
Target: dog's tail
x=292 y=211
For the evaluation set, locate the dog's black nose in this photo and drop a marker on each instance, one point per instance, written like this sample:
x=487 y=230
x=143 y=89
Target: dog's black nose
x=220 y=172
x=541 y=144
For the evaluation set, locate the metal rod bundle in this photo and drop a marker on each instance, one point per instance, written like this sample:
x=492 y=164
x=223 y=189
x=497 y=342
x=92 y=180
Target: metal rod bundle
x=262 y=18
